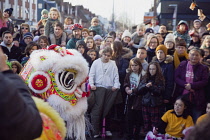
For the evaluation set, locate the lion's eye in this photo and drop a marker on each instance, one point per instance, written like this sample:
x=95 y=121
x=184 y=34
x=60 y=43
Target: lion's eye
x=66 y=79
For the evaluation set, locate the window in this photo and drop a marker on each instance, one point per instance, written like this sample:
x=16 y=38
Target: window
x=3 y=5
x=21 y=12
x=18 y=10
x=40 y=5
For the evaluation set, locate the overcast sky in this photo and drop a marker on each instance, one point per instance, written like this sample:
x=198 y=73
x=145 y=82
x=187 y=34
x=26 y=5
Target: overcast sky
x=133 y=8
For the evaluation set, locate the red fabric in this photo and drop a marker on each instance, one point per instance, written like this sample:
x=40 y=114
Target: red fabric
x=39 y=82
x=52 y=47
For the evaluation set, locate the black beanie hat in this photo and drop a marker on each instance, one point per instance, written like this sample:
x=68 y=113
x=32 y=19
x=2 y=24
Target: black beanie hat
x=9 y=11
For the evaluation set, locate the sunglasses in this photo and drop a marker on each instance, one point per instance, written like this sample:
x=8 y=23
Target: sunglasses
x=24 y=28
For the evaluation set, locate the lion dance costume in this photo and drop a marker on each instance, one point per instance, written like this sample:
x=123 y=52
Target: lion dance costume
x=59 y=76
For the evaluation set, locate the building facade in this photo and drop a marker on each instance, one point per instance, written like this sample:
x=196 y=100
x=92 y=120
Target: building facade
x=165 y=10
x=23 y=10
x=29 y=11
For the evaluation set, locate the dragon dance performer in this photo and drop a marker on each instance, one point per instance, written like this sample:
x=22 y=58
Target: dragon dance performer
x=59 y=76
x=24 y=118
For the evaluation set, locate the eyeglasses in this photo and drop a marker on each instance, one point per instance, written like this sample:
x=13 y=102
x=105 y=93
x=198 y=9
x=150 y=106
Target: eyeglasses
x=24 y=28
x=28 y=38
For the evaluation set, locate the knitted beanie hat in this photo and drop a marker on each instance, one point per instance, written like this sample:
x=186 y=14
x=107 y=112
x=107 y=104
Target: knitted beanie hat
x=9 y=11
x=197 y=20
x=163 y=48
x=180 y=42
x=36 y=38
x=94 y=19
x=44 y=11
x=80 y=42
x=126 y=33
x=28 y=35
x=97 y=37
x=194 y=33
x=169 y=37
x=149 y=30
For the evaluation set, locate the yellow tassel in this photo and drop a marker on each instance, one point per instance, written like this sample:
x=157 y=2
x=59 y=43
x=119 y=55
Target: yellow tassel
x=202 y=17
x=192 y=6
x=200 y=12
x=47 y=110
x=208 y=26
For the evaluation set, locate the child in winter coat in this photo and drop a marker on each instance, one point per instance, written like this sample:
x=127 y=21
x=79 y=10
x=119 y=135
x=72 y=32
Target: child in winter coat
x=68 y=22
x=138 y=39
x=182 y=31
x=95 y=26
x=133 y=106
x=198 y=28
x=152 y=89
x=54 y=17
x=44 y=17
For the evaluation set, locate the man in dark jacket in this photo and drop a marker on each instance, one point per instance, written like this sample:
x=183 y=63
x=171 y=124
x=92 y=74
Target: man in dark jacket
x=8 y=48
x=19 y=119
x=168 y=73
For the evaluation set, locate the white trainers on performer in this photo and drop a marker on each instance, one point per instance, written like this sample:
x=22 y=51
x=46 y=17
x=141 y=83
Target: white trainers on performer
x=96 y=136
x=108 y=133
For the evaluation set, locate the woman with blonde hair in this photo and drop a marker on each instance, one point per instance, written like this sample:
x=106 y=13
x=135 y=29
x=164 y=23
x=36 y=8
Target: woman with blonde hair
x=206 y=42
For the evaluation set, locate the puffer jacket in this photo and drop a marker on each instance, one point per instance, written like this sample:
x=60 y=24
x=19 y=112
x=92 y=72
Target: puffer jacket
x=152 y=96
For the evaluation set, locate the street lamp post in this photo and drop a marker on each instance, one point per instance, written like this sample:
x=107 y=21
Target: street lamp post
x=174 y=15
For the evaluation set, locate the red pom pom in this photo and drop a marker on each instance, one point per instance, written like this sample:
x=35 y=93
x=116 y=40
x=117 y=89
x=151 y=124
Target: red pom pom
x=52 y=47
x=86 y=94
x=39 y=82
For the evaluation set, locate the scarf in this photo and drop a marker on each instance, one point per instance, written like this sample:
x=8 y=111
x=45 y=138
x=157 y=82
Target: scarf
x=177 y=56
x=189 y=76
x=151 y=50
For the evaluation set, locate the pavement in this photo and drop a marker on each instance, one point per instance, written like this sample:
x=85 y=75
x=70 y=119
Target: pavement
x=114 y=137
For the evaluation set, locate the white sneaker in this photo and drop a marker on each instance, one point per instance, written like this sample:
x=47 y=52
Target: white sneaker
x=96 y=136
x=108 y=133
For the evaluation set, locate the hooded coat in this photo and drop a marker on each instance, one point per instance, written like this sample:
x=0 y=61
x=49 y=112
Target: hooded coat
x=184 y=36
x=87 y=57
x=97 y=29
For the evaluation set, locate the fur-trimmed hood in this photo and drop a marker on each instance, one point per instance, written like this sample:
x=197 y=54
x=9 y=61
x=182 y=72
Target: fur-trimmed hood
x=169 y=59
x=127 y=53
